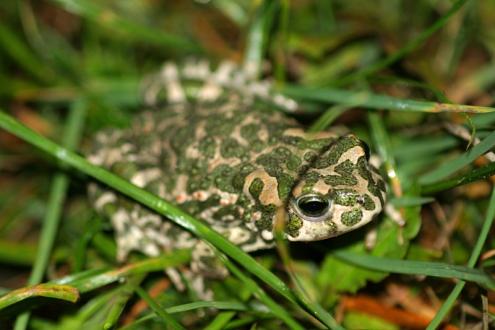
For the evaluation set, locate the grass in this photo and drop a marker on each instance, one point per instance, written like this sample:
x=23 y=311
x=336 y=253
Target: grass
x=70 y=68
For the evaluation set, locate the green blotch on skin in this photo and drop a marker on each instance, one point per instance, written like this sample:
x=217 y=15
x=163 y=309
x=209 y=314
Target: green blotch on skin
x=368 y=203
x=265 y=223
x=282 y=152
x=345 y=197
x=222 y=178
x=257 y=145
x=310 y=156
x=229 y=210
x=256 y=188
x=196 y=207
x=230 y=148
x=332 y=225
x=363 y=170
x=381 y=185
x=293 y=162
x=267 y=213
x=275 y=161
x=270 y=163
x=293 y=225
x=332 y=155
x=239 y=178
x=182 y=134
x=207 y=147
x=310 y=179
x=365 y=173
x=284 y=187
x=345 y=168
x=268 y=209
x=250 y=131
x=351 y=218
x=338 y=180
x=316 y=144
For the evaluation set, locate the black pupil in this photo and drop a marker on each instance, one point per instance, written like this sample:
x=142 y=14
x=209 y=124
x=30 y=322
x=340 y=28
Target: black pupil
x=313 y=207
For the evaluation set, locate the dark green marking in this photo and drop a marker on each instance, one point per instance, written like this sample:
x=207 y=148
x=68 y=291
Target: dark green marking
x=266 y=221
x=368 y=203
x=256 y=188
x=207 y=147
x=332 y=155
x=310 y=178
x=350 y=218
x=226 y=212
x=338 y=180
x=242 y=171
x=285 y=183
x=346 y=197
x=293 y=225
x=365 y=173
x=332 y=225
x=230 y=148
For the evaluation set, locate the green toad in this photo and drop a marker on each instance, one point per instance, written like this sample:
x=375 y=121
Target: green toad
x=216 y=148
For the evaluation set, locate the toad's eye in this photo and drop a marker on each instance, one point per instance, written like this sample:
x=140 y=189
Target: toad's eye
x=313 y=206
x=366 y=149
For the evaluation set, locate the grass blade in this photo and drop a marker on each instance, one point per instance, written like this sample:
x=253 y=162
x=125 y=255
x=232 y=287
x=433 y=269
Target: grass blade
x=162 y=313
x=60 y=184
x=454 y=165
x=475 y=254
x=408 y=48
x=88 y=281
x=56 y=291
x=111 y=20
x=22 y=55
x=435 y=269
x=481 y=173
x=370 y=100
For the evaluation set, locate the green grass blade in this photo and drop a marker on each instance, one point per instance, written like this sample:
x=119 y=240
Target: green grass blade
x=327 y=118
x=410 y=201
x=475 y=254
x=22 y=55
x=88 y=281
x=120 y=299
x=220 y=305
x=454 y=165
x=408 y=48
x=71 y=136
x=226 y=305
x=252 y=286
x=370 y=100
x=434 y=269
x=153 y=202
x=481 y=173
x=107 y=18
x=17 y=253
x=62 y=292
x=257 y=39
x=162 y=313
